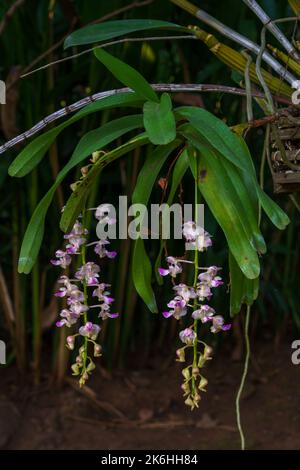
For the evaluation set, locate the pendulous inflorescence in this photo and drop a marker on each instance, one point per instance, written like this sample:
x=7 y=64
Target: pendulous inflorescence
x=84 y=292
x=193 y=301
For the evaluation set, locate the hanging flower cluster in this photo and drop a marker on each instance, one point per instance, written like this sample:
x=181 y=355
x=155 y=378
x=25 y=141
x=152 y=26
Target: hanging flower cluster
x=194 y=300
x=84 y=285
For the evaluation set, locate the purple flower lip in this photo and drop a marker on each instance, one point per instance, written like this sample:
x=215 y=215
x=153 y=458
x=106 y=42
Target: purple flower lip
x=167 y=314
x=60 y=294
x=163 y=272
x=113 y=315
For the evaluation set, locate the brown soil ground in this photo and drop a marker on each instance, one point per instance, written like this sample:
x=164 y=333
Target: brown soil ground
x=143 y=409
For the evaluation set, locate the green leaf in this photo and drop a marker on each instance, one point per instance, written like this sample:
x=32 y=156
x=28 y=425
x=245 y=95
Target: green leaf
x=179 y=171
x=273 y=211
x=126 y=74
x=150 y=171
x=142 y=274
x=216 y=189
x=246 y=202
x=144 y=185
x=77 y=199
x=93 y=140
x=242 y=290
x=159 y=120
x=33 y=153
x=277 y=216
x=240 y=188
x=112 y=29
x=216 y=134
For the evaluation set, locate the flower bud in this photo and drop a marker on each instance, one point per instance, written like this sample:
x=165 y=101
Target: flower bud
x=189 y=402
x=202 y=384
x=195 y=371
x=208 y=352
x=82 y=381
x=84 y=170
x=186 y=388
x=97 y=350
x=180 y=355
x=75 y=369
x=201 y=361
x=73 y=186
x=79 y=360
x=95 y=156
x=70 y=342
x=186 y=373
x=90 y=367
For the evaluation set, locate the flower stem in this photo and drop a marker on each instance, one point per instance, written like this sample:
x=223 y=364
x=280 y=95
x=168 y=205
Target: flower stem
x=245 y=371
x=85 y=294
x=196 y=262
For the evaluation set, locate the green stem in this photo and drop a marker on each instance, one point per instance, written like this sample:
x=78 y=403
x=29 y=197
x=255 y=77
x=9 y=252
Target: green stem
x=196 y=263
x=242 y=384
x=85 y=295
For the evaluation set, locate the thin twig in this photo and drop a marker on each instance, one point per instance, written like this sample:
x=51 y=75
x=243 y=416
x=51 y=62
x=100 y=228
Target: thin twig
x=121 y=10
x=107 y=44
x=99 y=20
x=100 y=405
x=10 y=12
x=172 y=88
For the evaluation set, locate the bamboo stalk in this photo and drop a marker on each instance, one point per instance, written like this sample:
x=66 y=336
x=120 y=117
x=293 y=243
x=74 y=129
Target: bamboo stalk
x=292 y=64
x=35 y=291
x=237 y=61
x=295 y=5
x=236 y=37
x=273 y=28
x=20 y=338
x=9 y=14
x=7 y=303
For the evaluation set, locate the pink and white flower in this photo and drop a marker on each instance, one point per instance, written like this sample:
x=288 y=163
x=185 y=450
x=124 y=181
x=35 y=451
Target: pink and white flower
x=91 y=330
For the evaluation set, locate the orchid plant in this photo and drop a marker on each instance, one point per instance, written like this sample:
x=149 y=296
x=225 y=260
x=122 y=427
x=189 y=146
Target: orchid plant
x=188 y=139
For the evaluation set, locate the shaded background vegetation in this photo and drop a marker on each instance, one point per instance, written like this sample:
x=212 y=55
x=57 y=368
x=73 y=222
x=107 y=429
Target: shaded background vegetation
x=36 y=27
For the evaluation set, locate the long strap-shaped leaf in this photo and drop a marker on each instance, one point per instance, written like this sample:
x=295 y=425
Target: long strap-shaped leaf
x=94 y=140
x=141 y=266
x=216 y=133
x=77 y=199
x=218 y=193
x=112 y=29
x=179 y=171
x=220 y=138
x=240 y=188
x=242 y=289
x=127 y=75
